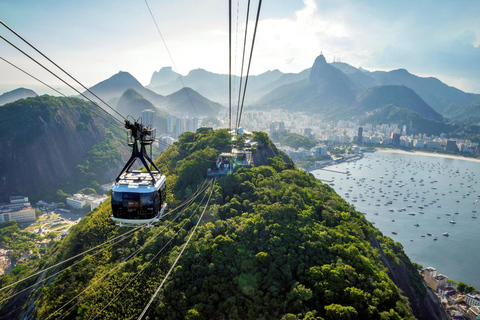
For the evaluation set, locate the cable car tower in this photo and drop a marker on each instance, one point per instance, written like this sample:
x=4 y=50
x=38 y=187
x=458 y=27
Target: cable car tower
x=139 y=197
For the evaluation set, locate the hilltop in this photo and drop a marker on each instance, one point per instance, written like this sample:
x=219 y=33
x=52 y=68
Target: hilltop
x=20 y=93
x=275 y=243
x=54 y=143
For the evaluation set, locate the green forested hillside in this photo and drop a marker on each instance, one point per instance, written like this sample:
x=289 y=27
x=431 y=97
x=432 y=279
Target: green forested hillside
x=275 y=243
x=53 y=143
x=415 y=122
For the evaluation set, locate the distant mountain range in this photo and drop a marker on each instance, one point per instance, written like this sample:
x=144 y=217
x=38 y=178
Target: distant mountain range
x=215 y=86
x=20 y=93
x=126 y=94
x=117 y=84
x=337 y=90
x=415 y=122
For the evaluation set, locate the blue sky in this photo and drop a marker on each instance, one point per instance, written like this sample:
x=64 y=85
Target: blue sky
x=95 y=39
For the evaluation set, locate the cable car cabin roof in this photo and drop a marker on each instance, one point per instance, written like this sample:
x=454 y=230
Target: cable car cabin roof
x=139 y=182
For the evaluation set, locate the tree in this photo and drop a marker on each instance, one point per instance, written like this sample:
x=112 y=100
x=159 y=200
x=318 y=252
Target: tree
x=461 y=286
x=339 y=312
x=469 y=289
x=297 y=141
x=51 y=235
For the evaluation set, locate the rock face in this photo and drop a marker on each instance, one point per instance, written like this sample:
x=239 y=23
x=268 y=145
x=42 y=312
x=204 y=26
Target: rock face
x=264 y=152
x=5 y=261
x=326 y=91
x=163 y=77
x=424 y=304
x=46 y=149
x=20 y=93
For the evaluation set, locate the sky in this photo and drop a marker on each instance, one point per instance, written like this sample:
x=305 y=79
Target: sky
x=95 y=39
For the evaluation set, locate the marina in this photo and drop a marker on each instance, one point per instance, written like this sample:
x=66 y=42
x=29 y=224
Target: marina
x=428 y=204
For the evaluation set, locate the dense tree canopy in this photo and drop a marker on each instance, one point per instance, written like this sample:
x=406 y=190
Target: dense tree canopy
x=275 y=243
x=295 y=140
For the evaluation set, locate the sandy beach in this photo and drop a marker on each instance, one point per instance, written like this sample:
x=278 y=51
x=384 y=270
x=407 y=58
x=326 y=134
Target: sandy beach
x=428 y=154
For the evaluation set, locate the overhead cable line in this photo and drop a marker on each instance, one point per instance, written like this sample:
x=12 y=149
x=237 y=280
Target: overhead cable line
x=229 y=64
x=60 y=271
x=148 y=263
x=171 y=58
x=235 y=60
x=249 y=61
x=183 y=151
x=72 y=99
x=43 y=55
x=187 y=203
x=71 y=258
x=241 y=69
x=178 y=257
x=56 y=76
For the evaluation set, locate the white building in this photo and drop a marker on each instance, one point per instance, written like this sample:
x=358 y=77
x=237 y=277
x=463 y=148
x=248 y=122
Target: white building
x=319 y=151
x=18 y=209
x=473 y=299
x=473 y=313
x=418 y=144
x=147 y=117
x=195 y=124
x=170 y=124
x=433 y=145
x=178 y=127
x=78 y=201
x=434 y=280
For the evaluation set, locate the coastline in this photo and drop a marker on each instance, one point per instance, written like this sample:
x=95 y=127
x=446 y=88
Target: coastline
x=428 y=154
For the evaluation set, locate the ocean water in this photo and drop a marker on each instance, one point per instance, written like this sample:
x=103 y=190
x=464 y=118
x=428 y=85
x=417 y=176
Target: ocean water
x=419 y=198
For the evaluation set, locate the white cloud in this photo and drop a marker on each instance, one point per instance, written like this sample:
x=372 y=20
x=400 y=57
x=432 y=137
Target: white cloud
x=438 y=38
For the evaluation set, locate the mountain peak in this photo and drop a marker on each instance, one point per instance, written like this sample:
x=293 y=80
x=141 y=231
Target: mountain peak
x=401 y=71
x=19 y=93
x=320 y=60
x=164 y=76
x=323 y=73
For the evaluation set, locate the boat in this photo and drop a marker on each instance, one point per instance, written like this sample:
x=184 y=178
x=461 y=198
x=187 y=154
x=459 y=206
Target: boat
x=394 y=232
x=416 y=225
x=452 y=221
x=435 y=239
x=445 y=234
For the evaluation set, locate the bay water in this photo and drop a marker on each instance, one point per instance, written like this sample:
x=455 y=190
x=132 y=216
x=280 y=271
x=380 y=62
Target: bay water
x=429 y=204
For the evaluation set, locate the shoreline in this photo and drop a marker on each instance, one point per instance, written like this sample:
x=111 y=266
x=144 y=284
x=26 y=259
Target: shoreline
x=428 y=154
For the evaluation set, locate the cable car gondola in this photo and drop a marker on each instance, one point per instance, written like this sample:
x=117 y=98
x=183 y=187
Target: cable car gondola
x=138 y=197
